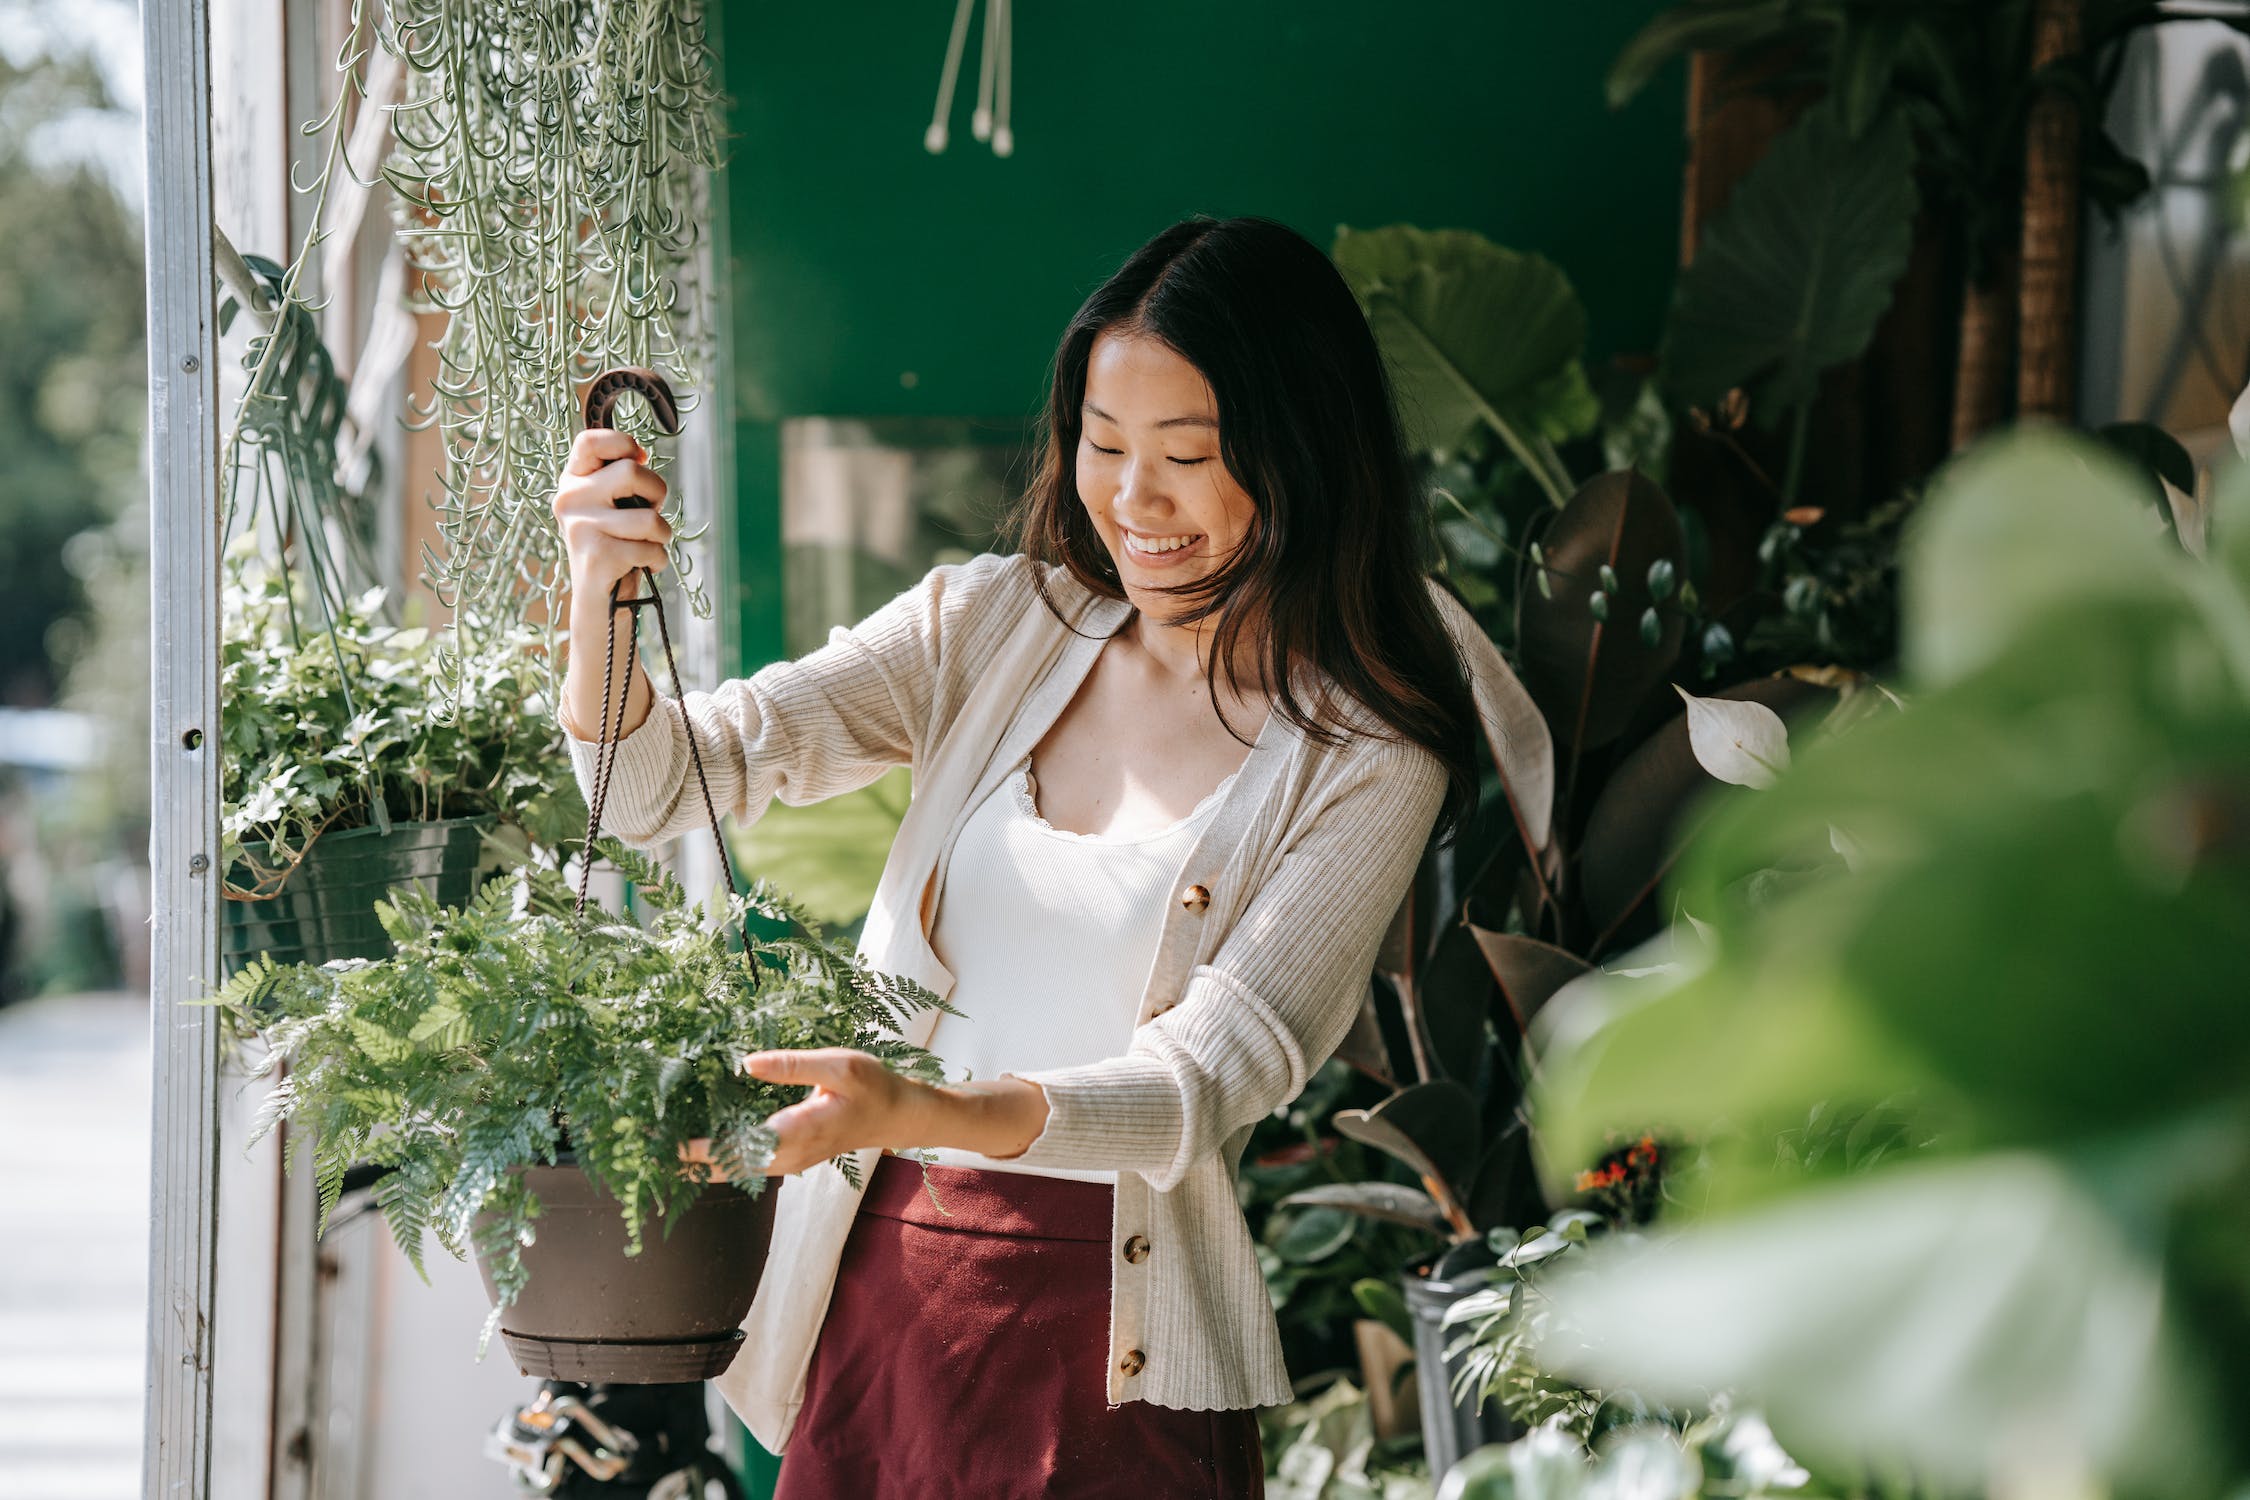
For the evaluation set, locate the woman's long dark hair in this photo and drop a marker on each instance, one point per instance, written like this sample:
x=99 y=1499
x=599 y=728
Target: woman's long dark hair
x=1333 y=562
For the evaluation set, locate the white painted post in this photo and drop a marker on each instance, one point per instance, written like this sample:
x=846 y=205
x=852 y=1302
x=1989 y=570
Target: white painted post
x=706 y=473
x=184 y=726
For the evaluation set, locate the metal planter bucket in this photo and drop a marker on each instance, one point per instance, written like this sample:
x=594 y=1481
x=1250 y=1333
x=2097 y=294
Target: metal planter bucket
x=327 y=908
x=590 y=1312
x=1432 y=1285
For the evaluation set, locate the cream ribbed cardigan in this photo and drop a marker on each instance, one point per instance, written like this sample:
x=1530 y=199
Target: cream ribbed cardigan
x=1260 y=969
x=1049 y=935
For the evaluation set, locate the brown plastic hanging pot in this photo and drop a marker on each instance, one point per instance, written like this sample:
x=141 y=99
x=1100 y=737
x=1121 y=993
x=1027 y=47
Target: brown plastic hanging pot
x=589 y=1311
x=671 y=1313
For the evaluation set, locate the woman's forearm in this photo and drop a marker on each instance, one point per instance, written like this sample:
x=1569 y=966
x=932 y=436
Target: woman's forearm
x=583 y=674
x=998 y=1118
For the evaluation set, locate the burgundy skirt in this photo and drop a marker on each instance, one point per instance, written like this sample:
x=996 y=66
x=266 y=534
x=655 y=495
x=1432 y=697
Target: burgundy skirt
x=964 y=1357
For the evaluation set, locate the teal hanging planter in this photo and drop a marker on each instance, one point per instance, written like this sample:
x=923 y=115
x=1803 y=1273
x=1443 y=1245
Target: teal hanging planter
x=326 y=908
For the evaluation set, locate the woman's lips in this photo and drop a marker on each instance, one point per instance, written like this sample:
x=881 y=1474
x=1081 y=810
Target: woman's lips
x=1172 y=557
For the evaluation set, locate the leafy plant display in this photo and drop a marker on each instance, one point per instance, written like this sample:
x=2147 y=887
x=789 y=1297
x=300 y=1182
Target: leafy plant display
x=1324 y=1448
x=508 y=1030
x=1500 y=1328
x=1731 y=1454
x=1928 y=89
x=1601 y=768
x=352 y=722
x=548 y=164
x=1319 y=1260
x=1598 y=789
x=2011 y=935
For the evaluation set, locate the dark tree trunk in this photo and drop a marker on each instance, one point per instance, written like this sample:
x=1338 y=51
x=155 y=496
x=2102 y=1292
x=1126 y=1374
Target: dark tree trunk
x=2046 y=364
x=1980 y=376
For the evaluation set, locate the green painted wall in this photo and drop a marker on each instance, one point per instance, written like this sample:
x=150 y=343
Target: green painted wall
x=856 y=259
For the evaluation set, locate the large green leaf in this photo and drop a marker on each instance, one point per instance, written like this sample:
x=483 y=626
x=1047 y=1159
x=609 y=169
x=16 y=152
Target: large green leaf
x=1432 y=1127
x=1935 y=1318
x=1529 y=971
x=1796 y=272
x=1474 y=333
x=2034 y=924
x=1695 y=1050
x=2022 y=528
x=2033 y=965
x=1391 y=1202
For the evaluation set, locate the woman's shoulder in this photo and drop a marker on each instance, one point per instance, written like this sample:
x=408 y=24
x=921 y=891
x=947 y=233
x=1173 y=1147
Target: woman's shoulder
x=1355 y=744
x=995 y=588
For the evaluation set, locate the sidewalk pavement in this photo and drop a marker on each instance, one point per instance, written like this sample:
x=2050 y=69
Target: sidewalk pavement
x=74 y=1144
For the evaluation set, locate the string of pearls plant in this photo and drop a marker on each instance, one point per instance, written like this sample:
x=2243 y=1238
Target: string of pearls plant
x=547 y=164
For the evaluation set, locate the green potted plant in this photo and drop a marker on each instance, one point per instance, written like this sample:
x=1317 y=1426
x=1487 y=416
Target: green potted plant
x=528 y=1078
x=351 y=764
x=2016 y=922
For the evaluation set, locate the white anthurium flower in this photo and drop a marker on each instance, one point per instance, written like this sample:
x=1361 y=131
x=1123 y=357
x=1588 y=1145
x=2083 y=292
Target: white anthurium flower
x=1739 y=742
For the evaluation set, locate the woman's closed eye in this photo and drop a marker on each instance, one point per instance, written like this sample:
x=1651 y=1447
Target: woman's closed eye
x=1182 y=462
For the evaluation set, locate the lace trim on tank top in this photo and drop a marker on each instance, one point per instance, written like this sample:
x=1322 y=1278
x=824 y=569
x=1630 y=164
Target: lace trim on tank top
x=1024 y=786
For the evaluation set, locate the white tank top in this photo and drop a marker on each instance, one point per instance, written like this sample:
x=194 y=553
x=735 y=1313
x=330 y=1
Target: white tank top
x=1049 y=935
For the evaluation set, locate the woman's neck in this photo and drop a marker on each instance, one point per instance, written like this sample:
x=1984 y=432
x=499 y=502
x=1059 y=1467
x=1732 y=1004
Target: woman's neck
x=1182 y=654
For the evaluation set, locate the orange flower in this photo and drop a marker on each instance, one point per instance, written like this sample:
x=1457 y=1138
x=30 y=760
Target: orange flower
x=1601 y=1177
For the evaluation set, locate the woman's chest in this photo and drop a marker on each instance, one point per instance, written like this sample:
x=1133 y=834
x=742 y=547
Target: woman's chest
x=1128 y=754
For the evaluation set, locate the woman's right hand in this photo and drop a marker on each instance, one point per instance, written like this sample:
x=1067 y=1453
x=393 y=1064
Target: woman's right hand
x=607 y=543
x=606 y=546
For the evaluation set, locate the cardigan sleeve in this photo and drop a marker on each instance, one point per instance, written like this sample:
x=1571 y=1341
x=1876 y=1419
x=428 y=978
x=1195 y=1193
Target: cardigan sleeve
x=827 y=723
x=1277 y=998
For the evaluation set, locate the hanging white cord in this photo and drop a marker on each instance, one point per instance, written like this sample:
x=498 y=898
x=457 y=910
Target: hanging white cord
x=980 y=123
x=933 y=139
x=1004 y=138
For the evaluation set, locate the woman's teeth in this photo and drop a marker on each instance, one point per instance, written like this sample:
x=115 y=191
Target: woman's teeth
x=1153 y=545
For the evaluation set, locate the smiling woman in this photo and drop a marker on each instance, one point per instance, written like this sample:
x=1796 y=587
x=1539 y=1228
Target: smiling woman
x=1174 y=766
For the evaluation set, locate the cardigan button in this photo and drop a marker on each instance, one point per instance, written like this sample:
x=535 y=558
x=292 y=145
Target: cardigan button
x=1132 y=1362
x=1136 y=1249
x=1195 y=898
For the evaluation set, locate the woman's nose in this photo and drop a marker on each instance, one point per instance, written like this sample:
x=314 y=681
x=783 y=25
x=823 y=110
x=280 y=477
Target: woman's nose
x=1144 y=485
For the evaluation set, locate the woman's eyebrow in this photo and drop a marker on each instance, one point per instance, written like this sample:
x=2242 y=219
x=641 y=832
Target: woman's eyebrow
x=1094 y=411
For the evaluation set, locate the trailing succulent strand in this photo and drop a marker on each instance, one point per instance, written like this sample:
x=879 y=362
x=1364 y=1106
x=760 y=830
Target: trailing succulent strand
x=548 y=160
x=506 y=1032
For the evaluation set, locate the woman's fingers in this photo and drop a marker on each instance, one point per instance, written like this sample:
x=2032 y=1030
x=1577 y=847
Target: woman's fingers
x=810 y=1065
x=607 y=543
x=808 y=1132
x=833 y=1118
x=581 y=494
x=597 y=446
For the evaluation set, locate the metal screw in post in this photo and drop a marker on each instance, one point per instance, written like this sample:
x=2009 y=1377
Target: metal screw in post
x=190 y=364
x=198 y=864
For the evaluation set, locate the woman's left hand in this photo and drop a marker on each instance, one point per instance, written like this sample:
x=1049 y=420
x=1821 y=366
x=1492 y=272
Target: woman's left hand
x=855 y=1103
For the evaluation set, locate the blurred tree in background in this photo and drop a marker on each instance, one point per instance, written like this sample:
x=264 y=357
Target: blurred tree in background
x=73 y=524
x=71 y=370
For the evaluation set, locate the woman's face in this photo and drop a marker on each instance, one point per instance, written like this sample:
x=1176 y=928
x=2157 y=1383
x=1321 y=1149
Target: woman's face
x=1149 y=469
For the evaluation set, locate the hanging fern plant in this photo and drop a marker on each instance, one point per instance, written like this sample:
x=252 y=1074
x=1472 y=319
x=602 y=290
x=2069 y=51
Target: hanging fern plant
x=501 y=1024
x=547 y=165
